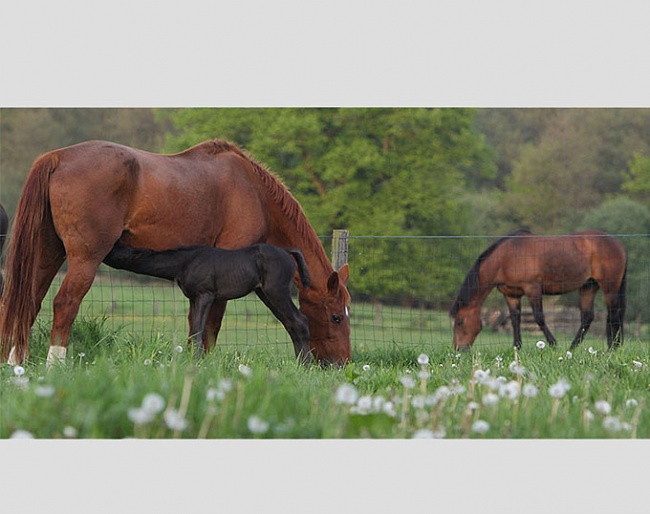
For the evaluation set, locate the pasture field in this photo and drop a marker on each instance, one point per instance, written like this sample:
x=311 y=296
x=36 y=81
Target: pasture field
x=120 y=383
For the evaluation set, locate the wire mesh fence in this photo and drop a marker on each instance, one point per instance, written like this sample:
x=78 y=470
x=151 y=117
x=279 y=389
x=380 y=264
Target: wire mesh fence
x=401 y=287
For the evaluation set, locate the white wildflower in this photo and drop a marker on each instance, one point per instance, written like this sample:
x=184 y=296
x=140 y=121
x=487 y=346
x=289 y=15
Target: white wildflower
x=153 y=403
x=423 y=359
x=257 y=425
x=480 y=376
x=517 y=368
x=366 y=367
x=178 y=349
x=139 y=416
x=631 y=403
x=423 y=433
x=407 y=382
x=417 y=402
x=44 y=391
x=19 y=371
x=21 y=434
x=480 y=426
x=490 y=399
x=529 y=390
x=346 y=394
x=592 y=351
x=245 y=370
x=612 y=424
x=510 y=390
x=540 y=344
x=175 y=420
x=603 y=407
x=559 y=389
x=569 y=355
x=70 y=432
x=637 y=364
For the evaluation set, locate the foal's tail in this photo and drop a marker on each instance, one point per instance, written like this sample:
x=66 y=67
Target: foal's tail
x=32 y=224
x=303 y=271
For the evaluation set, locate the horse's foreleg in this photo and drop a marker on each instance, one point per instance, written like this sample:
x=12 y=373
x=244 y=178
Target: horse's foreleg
x=615 y=315
x=294 y=321
x=76 y=284
x=587 y=295
x=538 y=314
x=213 y=324
x=514 y=307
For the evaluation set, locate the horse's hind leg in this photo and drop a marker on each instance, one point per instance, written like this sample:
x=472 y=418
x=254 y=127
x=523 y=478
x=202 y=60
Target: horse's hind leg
x=615 y=314
x=294 y=321
x=199 y=311
x=213 y=324
x=76 y=284
x=514 y=307
x=587 y=295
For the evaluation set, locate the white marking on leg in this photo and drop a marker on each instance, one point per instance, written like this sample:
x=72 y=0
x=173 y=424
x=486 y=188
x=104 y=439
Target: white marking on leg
x=56 y=354
x=13 y=360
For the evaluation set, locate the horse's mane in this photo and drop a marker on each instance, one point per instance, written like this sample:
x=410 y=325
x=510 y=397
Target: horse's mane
x=279 y=194
x=470 y=285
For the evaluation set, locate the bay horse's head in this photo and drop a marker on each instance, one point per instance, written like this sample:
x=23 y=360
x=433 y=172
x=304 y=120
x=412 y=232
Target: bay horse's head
x=467 y=324
x=328 y=313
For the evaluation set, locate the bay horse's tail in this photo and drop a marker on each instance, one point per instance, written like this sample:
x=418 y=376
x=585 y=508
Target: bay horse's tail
x=303 y=271
x=32 y=223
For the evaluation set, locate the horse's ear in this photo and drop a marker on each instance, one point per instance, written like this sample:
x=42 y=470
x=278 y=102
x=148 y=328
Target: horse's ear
x=344 y=273
x=333 y=283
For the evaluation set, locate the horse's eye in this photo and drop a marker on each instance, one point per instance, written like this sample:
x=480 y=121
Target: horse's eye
x=336 y=319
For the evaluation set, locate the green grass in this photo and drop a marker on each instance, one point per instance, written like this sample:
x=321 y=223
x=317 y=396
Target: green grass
x=109 y=372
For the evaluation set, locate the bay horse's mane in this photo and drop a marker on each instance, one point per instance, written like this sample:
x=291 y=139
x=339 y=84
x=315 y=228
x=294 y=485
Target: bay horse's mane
x=278 y=192
x=470 y=285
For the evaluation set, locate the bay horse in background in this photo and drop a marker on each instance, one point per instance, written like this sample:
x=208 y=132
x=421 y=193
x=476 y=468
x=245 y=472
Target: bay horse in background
x=79 y=200
x=524 y=264
x=206 y=274
x=4 y=228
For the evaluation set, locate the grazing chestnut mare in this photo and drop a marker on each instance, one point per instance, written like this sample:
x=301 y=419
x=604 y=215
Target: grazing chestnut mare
x=79 y=200
x=524 y=264
x=206 y=274
x=4 y=227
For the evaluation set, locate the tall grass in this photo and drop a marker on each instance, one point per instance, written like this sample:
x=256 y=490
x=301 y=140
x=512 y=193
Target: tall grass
x=115 y=385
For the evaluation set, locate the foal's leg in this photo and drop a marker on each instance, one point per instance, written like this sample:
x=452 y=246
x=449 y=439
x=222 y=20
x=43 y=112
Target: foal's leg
x=213 y=324
x=295 y=322
x=199 y=311
x=514 y=307
x=538 y=313
x=587 y=295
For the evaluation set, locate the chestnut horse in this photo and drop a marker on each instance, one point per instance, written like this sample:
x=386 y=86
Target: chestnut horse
x=524 y=264
x=4 y=227
x=79 y=200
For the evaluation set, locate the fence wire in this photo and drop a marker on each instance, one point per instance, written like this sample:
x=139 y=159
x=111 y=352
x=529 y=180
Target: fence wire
x=401 y=287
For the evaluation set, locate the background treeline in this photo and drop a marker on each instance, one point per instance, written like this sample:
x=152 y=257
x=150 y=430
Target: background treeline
x=396 y=171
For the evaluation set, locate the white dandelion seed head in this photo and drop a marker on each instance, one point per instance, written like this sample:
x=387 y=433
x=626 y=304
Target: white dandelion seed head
x=153 y=403
x=529 y=390
x=213 y=394
x=631 y=403
x=511 y=390
x=540 y=344
x=569 y=355
x=346 y=394
x=603 y=407
x=366 y=367
x=139 y=416
x=418 y=401
x=589 y=416
x=423 y=359
x=612 y=424
x=178 y=349
x=480 y=426
x=637 y=364
x=517 y=368
x=147 y=362
x=480 y=375
x=423 y=433
x=407 y=381
x=490 y=399
x=21 y=434
x=365 y=403
x=388 y=408
x=559 y=389
x=592 y=351
x=44 y=391
x=257 y=425
x=19 y=371
x=70 y=432
x=245 y=370
x=175 y=420
x=423 y=375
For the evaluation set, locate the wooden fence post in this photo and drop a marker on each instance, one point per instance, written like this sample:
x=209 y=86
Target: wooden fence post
x=339 y=248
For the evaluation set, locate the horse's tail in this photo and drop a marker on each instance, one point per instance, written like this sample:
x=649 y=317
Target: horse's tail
x=303 y=271
x=33 y=217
